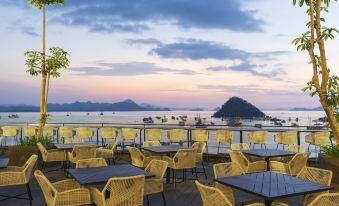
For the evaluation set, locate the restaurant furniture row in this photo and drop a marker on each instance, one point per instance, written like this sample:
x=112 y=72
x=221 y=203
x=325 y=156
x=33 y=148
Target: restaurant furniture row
x=68 y=134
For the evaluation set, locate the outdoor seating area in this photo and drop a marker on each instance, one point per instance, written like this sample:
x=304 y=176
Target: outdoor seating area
x=106 y=171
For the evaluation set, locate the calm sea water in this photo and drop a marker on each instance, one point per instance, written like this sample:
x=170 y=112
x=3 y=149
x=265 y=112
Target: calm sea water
x=305 y=118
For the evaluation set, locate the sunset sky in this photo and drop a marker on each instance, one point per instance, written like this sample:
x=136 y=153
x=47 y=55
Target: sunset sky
x=175 y=53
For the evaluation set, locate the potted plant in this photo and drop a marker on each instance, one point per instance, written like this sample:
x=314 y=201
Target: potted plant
x=330 y=160
x=19 y=154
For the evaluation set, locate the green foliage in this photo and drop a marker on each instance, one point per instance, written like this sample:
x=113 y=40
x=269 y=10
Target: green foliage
x=306 y=2
x=331 y=151
x=42 y=3
x=32 y=141
x=56 y=60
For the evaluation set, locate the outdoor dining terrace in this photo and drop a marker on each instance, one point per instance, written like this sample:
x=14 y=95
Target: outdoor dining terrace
x=165 y=165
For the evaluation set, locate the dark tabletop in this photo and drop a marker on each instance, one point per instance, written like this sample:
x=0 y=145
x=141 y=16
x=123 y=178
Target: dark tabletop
x=99 y=175
x=164 y=149
x=272 y=186
x=4 y=162
x=268 y=153
x=70 y=146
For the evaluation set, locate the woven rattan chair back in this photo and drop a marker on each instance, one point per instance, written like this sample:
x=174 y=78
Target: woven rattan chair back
x=240 y=146
x=212 y=196
x=84 y=133
x=185 y=159
x=326 y=199
x=92 y=162
x=29 y=131
x=296 y=148
x=298 y=162
x=9 y=131
x=176 y=135
x=129 y=133
x=83 y=152
x=126 y=191
x=109 y=133
x=137 y=158
x=153 y=135
x=157 y=168
x=239 y=158
x=225 y=136
x=46 y=186
x=200 y=135
x=48 y=132
x=258 y=137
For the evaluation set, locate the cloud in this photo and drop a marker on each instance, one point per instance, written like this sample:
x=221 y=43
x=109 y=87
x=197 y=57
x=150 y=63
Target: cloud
x=250 y=89
x=250 y=68
x=127 y=69
x=116 y=16
x=29 y=31
x=195 y=49
x=148 y=41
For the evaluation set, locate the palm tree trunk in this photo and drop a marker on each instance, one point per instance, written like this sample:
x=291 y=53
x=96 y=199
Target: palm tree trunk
x=43 y=77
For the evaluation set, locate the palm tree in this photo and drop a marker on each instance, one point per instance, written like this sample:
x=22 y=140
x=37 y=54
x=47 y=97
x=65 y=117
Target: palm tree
x=38 y=61
x=313 y=41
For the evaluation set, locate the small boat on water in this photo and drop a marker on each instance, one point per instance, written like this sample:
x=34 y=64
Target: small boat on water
x=13 y=116
x=148 y=120
x=101 y=113
x=234 y=122
x=164 y=119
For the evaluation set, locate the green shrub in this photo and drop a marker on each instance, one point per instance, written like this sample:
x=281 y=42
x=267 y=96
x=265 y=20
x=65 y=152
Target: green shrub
x=332 y=150
x=32 y=141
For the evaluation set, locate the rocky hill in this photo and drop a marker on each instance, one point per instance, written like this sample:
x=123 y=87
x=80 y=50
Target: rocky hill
x=236 y=107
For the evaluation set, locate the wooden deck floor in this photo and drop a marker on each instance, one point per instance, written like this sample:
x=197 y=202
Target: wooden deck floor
x=185 y=193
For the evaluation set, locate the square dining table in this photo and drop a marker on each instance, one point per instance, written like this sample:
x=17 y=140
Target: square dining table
x=267 y=154
x=272 y=186
x=100 y=175
x=4 y=162
x=162 y=151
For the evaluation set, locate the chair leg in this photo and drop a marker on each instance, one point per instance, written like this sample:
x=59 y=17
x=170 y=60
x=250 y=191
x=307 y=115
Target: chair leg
x=277 y=146
x=203 y=167
x=174 y=178
x=29 y=194
x=196 y=173
x=163 y=198
x=308 y=149
x=147 y=200
x=218 y=148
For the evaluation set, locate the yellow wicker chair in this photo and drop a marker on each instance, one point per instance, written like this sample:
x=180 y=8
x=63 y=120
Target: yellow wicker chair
x=80 y=152
x=91 y=162
x=29 y=131
x=9 y=131
x=48 y=132
x=67 y=134
x=245 y=164
x=317 y=175
x=286 y=138
x=200 y=135
x=258 y=137
x=109 y=133
x=224 y=136
x=293 y=167
x=296 y=148
x=84 y=133
x=199 y=157
x=154 y=135
x=176 y=135
x=155 y=184
x=226 y=170
x=63 y=193
x=123 y=191
x=127 y=135
x=138 y=159
x=327 y=199
x=53 y=155
x=318 y=139
x=184 y=159
x=148 y=143
x=240 y=146
x=107 y=152
x=212 y=196
x=11 y=176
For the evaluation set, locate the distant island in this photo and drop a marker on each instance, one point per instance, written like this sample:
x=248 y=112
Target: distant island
x=124 y=106
x=236 y=107
x=307 y=109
